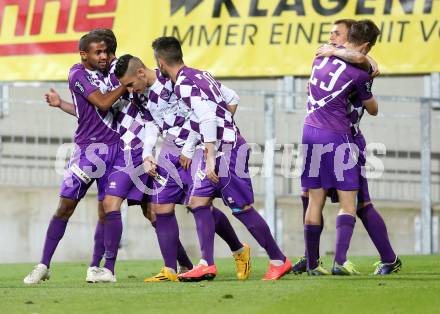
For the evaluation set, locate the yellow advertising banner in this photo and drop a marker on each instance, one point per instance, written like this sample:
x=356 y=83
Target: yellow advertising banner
x=230 y=38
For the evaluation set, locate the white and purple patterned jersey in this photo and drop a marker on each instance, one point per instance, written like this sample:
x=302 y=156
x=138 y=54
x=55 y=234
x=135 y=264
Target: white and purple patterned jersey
x=162 y=114
x=130 y=124
x=200 y=92
x=94 y=125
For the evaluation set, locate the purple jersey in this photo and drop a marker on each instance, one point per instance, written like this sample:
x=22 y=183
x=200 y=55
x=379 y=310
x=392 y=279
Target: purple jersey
x=202 y=94
x=331 y=83
x=94 y=125
x=355 y=113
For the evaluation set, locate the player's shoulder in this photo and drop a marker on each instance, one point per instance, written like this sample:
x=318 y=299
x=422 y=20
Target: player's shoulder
x=188 y=75
x=361 y=75
x=76 y=70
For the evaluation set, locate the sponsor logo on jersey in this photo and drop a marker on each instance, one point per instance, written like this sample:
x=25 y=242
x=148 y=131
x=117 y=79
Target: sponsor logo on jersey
x=79 y=86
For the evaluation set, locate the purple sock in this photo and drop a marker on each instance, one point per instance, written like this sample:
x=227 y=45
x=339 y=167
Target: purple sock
x=167 y=232
x=377 y=230
x=312 y=235
x=344 y=231
x=205 y=231
x=259 y=229
x=54 y=234
x=182 y=256
x=224 y=229
x=99 y=248
x=305 y=202
x=112 y=237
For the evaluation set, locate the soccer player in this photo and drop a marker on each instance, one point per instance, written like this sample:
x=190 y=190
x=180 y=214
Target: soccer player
x=223 y=170
x=331 y=158
x=96 y=142
x=127 y=179
x=172 y=171
x=370 y=217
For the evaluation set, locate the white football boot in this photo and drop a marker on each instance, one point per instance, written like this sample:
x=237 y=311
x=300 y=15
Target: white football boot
x=104 y=275
x=37 y=275
x=92 y=274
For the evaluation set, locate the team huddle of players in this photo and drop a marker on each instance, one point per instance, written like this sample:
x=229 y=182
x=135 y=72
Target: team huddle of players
x=123 y=107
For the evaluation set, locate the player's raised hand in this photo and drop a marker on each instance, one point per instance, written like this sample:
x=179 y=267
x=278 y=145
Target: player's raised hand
x=53 y=98
x=150 y=166
x=184 y=161
x=374 y=67
x=325 y=51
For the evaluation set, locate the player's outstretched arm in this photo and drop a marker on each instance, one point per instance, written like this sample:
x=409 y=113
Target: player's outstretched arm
x=105 y=101
x=54 y=100
x=371 y=106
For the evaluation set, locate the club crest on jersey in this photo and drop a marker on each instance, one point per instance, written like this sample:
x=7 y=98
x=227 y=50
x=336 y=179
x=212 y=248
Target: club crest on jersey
x=165 y=94
x=79 y=86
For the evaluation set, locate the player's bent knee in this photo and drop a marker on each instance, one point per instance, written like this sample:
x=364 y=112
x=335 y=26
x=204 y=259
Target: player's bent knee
x=111 y=203
x=162 y=208
x=148 y=212
x=65 y=208
x=101 y=212
x=199 y=201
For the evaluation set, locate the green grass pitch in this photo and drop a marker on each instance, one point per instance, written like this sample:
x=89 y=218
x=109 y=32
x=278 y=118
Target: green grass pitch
x=416 y=289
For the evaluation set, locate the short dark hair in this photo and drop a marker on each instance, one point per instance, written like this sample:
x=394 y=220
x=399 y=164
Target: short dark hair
x=86 y=40
x=121 y=66
x=169 y=48
x=347 y=22
x=363 y=31
x=109 y=38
